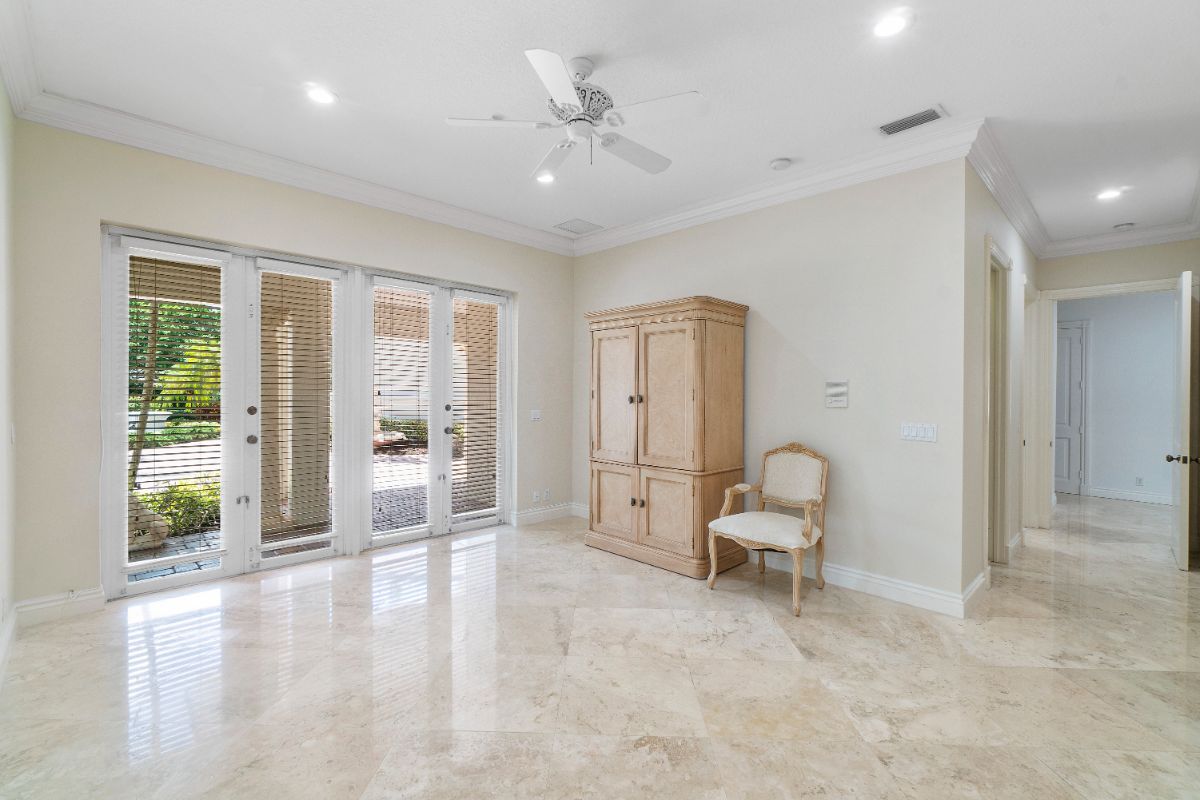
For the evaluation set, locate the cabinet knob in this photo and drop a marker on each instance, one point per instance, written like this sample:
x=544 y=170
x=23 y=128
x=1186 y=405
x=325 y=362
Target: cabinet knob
x=633 y=501
x=630 y=398
x=641 y=399
x=643 y=503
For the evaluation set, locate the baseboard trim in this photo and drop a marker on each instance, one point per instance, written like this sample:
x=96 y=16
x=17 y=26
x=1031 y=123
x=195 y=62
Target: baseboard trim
x=1122 y=494
x=1015 y=542
x=580 y=510
x=8 y=634
x=974 y=592
x=536 y=515
x=913 y=594
x=59 y=606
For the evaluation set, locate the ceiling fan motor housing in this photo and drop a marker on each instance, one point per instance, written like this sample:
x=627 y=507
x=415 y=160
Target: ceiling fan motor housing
x=594 y=103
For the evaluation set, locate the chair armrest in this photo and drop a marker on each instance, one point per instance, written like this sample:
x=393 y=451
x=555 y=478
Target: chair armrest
x=734 y=491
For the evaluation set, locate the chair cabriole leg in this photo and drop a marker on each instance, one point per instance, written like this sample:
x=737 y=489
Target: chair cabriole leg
x=762 y=561
x=712 y=558
x=820 y=562
x=797 y=573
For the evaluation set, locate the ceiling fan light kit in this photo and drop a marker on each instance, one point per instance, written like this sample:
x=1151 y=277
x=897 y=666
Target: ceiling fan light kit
x=586 y=111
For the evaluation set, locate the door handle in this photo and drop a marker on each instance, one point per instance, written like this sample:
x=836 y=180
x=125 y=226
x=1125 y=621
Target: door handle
x=1180 y=459
x=252 y=439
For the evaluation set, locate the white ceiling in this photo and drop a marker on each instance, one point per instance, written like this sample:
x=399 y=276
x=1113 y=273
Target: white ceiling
x=1079 y=94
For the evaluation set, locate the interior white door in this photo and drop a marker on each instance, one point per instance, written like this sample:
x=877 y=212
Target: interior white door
x=1182 y=457
x=1069 y=405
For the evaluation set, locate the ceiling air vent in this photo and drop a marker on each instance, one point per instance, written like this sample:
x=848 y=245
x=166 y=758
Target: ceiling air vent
x=912 y=121
x=579 y=226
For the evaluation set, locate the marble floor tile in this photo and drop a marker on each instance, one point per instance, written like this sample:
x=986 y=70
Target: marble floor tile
x=753 y=700
x=520 y=663
x=629 y=697
x=1126 y=774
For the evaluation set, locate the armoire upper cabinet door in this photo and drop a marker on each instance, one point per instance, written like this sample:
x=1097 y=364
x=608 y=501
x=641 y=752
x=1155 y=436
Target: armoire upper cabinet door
x=668 y=364
x=614 y=394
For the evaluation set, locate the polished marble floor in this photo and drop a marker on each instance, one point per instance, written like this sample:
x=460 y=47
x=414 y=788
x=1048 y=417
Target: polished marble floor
x=519 y=663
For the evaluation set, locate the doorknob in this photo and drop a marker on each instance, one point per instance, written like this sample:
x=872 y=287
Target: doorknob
x=252 y=439
x=448 y=429
x=1180 y=459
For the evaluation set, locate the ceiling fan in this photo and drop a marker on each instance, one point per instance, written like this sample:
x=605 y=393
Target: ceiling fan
x=587 y=111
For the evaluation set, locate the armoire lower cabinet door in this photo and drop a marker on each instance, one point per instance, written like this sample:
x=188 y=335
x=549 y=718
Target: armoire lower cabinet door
x=614 y=500
x=666 y=504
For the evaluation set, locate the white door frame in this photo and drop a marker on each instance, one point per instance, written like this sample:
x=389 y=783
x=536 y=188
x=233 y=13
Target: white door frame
x=114 y=426
x=996 y=419
x=1042 y=428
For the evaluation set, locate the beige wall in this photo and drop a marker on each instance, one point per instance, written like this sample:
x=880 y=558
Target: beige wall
x=984 y=217
x=861 y=284
x=1153 y=262
x=7 y=546
x=70 y=184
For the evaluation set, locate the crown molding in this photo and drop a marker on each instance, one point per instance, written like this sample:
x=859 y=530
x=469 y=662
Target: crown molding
x=997 y=174
x=18 y=67
x=949 y=141
x=123 y=128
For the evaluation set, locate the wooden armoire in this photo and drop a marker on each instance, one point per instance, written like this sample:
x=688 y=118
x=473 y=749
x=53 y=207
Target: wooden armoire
x=666 y=429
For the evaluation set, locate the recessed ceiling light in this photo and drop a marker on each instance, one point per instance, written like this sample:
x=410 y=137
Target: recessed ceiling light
x=893 y=22
x=1110 y=194
x=545 y=177
x=779 y=164
x=319 y=94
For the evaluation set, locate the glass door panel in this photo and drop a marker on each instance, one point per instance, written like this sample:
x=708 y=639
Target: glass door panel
x=174 y=465
x=474 y=428
x=401 y=388
x=295 y=413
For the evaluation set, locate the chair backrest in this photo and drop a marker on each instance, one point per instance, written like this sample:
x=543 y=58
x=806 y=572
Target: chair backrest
x=793 y=475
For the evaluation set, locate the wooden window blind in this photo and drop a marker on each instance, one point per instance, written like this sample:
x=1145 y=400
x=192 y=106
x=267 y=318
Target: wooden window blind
x=174 y=416
x=475 y=397
x=400 y=439
x=296 y=404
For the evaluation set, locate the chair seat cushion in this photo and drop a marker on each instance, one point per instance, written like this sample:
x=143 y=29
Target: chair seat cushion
x=767 y=527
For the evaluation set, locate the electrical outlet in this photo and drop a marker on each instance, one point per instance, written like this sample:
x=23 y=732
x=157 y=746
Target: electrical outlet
x=1138 y=482
x=546 y=495
x=537 y=497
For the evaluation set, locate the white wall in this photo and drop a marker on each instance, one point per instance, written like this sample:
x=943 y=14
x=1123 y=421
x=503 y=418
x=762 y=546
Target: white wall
x=860 y=284
x=1130 y=393
x=70 y=184
x=7 y=547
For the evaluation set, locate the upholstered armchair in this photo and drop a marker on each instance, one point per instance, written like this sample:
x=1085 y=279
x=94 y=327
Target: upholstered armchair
x=792 y=477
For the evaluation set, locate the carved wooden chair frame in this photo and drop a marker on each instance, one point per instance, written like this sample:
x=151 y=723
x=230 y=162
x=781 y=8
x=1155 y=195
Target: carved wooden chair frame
x=814 y=512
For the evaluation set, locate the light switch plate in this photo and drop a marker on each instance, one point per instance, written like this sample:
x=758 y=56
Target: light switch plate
x=918 y=431
x=535 y=415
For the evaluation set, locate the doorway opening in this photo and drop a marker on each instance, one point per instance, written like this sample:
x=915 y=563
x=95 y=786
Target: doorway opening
x=998 y=403
x=1121 y=381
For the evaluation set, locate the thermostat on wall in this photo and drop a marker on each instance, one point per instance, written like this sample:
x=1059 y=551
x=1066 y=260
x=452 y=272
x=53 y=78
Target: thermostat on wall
x=837 y=394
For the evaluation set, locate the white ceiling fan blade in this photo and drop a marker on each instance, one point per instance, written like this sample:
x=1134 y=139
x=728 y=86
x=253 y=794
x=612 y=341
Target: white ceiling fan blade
x=664 y=109
x=546 y=170
x=464 y=122
x=628 y=150
x=553 y=71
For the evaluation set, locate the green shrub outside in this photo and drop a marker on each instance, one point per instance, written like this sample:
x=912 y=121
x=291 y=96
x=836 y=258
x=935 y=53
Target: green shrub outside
x=188 y=506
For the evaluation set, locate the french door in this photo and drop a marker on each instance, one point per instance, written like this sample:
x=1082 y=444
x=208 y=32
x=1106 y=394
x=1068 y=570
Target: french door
x=237 y=434
x=436 y=355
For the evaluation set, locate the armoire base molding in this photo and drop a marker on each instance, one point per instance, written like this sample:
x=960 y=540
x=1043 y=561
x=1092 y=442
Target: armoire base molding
x=729 y=556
